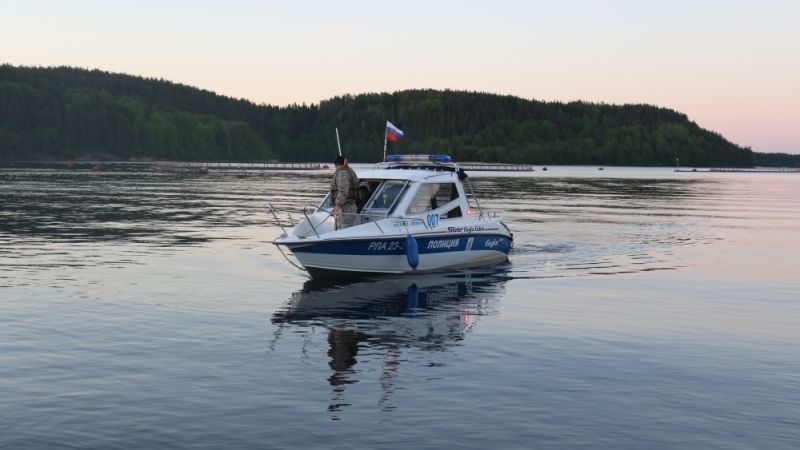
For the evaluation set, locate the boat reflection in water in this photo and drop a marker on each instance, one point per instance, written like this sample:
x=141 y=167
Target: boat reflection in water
x=383 y=317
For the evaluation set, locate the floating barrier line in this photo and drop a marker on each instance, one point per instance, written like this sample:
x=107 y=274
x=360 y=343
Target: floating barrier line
x=195 y=165
x=496 y=167
x=191 y=165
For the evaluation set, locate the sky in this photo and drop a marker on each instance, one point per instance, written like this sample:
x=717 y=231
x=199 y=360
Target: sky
x=731 y=66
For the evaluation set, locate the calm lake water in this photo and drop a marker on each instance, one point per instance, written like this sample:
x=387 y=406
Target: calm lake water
x=640 y=308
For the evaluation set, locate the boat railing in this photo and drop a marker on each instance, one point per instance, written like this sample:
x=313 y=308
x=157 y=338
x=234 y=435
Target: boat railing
x=308 y=212
x=374 y=218
x=272 y=210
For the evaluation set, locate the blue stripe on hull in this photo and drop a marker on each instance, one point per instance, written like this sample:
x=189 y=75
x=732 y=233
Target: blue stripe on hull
x=439 y=244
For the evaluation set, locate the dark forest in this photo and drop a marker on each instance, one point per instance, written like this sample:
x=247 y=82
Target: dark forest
x=70 y=113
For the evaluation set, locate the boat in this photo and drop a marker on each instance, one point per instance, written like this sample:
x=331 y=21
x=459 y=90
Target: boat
x=420 y=215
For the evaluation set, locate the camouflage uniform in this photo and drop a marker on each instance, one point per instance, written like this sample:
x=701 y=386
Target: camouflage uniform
x=343 y=194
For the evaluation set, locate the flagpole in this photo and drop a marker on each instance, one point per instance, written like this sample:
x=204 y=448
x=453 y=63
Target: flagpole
x=384 y=141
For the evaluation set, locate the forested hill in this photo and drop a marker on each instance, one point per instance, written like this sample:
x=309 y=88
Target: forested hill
x=70 y=113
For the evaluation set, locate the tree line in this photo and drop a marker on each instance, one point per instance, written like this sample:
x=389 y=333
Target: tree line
x=71 y=113
x=776 y=160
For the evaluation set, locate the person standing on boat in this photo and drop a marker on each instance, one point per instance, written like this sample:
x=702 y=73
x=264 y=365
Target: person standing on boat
x=343 y=193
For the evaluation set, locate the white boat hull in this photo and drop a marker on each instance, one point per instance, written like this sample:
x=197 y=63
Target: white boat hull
x=412 y=196
x=389 y=254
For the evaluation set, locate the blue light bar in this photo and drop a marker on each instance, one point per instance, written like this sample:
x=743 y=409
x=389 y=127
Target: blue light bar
x=418 y=158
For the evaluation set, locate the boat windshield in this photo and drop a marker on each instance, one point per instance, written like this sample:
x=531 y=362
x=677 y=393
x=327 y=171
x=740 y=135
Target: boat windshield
x=385 y=197
x=327 y=203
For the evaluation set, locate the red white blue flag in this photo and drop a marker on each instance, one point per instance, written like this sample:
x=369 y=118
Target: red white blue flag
x=393 y=134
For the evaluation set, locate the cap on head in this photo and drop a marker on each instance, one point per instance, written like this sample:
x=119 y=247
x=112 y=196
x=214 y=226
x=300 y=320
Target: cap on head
x=339 y=161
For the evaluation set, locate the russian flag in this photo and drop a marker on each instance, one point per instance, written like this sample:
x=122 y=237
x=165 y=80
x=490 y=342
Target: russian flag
x=393 y=134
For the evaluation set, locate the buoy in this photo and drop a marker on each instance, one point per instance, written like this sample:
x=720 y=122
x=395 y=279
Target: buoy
x=544 y=168
x=412 y=255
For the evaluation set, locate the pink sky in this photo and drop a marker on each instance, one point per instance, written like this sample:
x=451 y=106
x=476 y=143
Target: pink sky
x=731 y=66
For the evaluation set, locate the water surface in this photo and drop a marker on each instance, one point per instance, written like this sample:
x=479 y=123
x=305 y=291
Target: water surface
x=639 y=308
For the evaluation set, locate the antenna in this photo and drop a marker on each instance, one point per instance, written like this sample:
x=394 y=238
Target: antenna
x=338 y=144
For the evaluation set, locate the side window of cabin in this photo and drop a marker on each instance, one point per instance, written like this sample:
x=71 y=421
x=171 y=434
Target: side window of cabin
x=422 y=199
x=387 y=195
x=453 y=213
x=431 y=196
x=447 y=192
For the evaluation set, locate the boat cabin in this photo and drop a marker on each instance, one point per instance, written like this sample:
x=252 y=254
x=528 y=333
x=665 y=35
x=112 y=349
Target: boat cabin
x=412 y=189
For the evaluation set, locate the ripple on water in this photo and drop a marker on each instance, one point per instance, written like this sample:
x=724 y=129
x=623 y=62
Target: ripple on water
x=147 y=309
